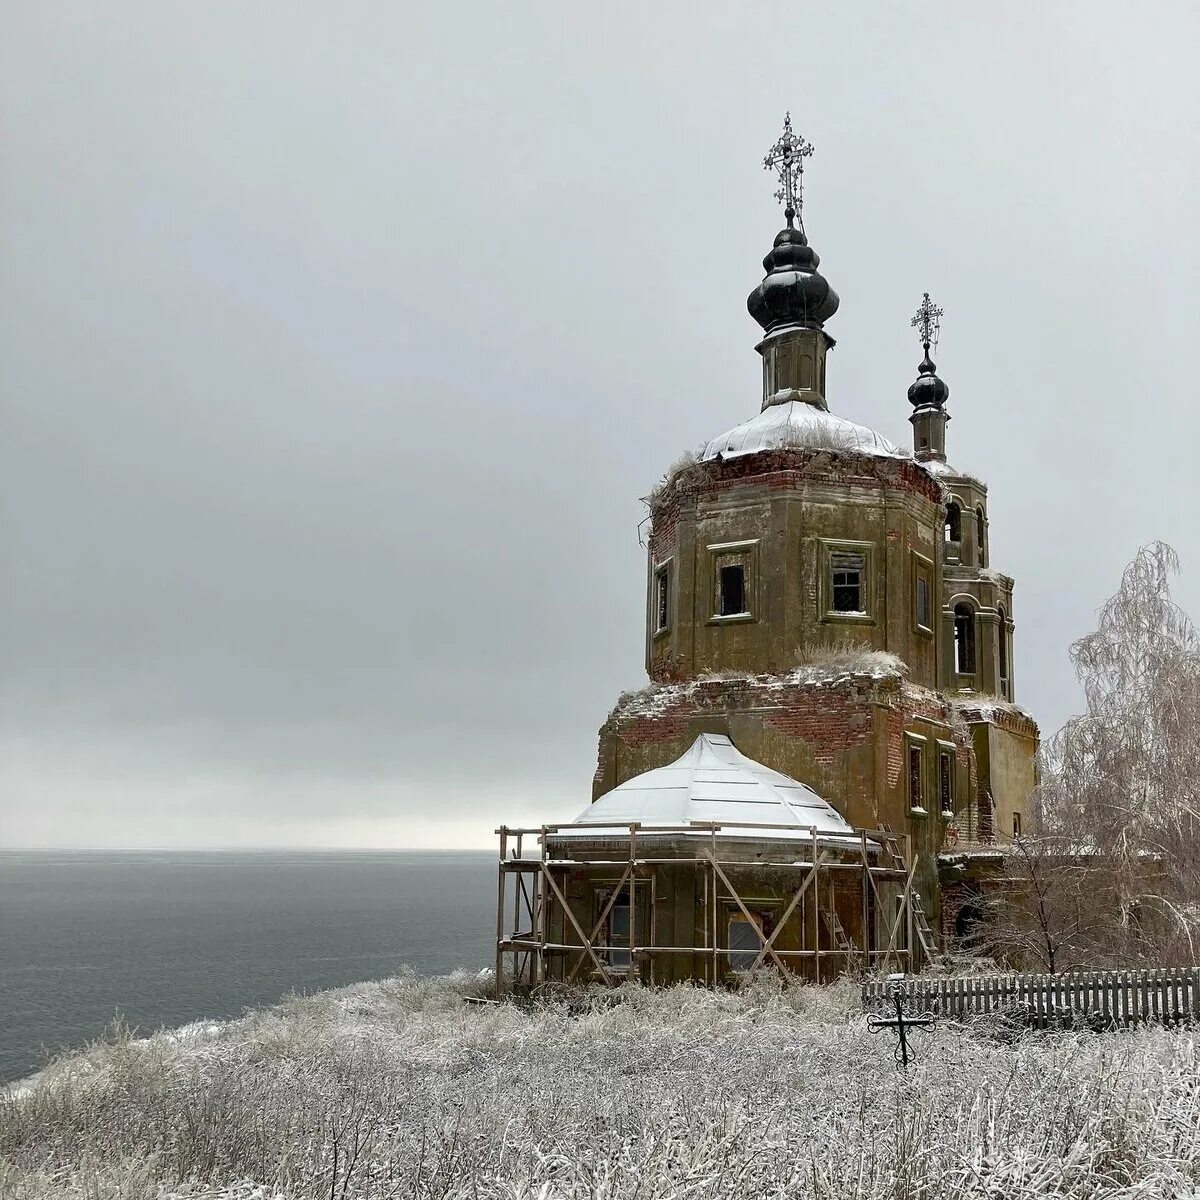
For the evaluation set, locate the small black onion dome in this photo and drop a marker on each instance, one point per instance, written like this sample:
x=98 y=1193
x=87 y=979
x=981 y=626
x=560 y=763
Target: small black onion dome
x=794 y=292
x=928 y=391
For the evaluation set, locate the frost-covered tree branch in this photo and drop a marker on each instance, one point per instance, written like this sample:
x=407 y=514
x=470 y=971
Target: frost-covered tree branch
x=1117 y=811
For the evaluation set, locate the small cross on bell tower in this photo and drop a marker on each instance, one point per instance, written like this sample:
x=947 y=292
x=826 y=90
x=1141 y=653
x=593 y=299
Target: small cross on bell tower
x=928 y=320
x=928 y=394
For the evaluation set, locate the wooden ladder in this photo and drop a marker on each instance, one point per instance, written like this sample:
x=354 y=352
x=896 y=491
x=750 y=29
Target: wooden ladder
x=893 y=844
x=921 y=926
x=837 y=933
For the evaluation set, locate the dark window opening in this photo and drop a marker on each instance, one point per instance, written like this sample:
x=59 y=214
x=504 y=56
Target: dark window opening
x=981 y=536
x=662 y=597
x=964 y=639
x=616 y=928
x=901 y=925
x=746 y=938
x=923 y=617
x=969 y=922
x=946 y=783
x=914 y=777
x=847 y=571
x=953 y=523
x=731 y=590
x=1016 y=824
x=1003 y=655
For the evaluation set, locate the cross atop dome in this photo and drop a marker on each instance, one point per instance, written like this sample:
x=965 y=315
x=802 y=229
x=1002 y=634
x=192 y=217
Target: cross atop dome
x=786 y=159
x=927 y=321
x=928 y=394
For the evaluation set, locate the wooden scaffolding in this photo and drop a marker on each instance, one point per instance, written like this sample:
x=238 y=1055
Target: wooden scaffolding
x=536 y=863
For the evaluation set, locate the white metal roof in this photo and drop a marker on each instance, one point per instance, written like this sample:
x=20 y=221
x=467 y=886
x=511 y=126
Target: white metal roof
x=797 y=425
x=713 y=781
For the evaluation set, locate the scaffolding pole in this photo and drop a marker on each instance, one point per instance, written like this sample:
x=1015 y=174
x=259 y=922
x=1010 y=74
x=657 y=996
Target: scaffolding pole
x=538 y=896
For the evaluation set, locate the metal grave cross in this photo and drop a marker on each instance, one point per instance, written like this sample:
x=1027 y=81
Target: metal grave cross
x=900 y=1023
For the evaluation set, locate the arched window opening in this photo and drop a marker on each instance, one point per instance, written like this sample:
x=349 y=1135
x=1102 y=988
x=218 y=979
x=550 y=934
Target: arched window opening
x=964 y=639
x=981 y=536
x=1002 y=655
x=953 y=522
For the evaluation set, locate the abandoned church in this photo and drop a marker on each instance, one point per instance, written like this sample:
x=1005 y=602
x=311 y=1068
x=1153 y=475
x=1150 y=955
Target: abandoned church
x=828 y=750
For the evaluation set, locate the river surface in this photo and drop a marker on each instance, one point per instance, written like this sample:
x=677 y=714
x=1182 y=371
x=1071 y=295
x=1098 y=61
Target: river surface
x=166 y=938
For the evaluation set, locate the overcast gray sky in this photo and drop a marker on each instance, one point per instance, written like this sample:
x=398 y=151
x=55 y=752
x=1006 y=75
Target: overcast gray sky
x=338 y=343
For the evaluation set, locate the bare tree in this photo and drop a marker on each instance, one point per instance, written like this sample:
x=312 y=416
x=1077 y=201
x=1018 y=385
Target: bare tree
x=1116 y=816
x=1045 y=916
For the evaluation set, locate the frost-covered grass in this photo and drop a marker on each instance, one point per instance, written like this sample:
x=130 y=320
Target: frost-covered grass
x=401 y=1088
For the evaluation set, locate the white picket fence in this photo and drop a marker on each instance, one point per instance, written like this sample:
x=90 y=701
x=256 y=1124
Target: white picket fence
x=1095 y=999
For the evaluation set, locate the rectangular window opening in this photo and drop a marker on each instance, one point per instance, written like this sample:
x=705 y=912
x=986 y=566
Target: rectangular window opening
x=946 y=783
x=1016 y=824
x=731 y=590
x=662 y=599
x=915 y=773
x=847 y=572
x=746 y=938
x=923 y=615
x=615 y=934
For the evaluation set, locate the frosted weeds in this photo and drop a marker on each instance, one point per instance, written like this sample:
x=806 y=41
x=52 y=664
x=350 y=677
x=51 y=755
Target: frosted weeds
x=400 y=1088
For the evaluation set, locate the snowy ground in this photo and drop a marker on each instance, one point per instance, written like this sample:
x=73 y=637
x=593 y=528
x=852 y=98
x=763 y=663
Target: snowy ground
x=401 y=1088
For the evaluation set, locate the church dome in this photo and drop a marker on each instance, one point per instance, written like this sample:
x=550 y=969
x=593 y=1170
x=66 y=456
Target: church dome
x=928 y=391
x=713 y=781
x=797 y=426
x=793 y=292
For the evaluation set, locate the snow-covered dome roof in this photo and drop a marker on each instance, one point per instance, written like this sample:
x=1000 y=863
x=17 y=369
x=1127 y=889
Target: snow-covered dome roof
x=796 y=425
x=713 y=781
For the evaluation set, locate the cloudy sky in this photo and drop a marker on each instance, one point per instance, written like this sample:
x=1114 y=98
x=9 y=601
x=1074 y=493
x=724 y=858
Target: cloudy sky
x=339 y=342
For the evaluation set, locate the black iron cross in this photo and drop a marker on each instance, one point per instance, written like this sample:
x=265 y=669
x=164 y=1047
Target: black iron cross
x=901 y=1022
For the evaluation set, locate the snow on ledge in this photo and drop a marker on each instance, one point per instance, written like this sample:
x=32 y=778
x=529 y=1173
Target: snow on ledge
x=656 y=698
x=989 y=707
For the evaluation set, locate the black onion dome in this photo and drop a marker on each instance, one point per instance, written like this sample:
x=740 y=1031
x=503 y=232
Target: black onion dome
x=928 y=391
x=794 y=292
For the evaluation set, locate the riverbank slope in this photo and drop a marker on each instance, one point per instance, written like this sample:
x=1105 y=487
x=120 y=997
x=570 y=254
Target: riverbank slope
x=402 y=1088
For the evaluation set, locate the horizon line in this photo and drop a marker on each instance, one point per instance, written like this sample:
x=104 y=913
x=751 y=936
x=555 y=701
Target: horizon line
x=76 y=849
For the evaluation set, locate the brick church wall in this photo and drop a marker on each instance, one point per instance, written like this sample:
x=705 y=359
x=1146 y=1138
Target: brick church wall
x=842 y=734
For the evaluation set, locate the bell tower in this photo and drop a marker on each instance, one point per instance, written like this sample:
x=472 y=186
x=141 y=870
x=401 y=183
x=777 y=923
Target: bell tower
x=928 y=394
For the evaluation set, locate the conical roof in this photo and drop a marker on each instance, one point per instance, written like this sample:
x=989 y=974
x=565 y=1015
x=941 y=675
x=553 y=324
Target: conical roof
x=712 y=782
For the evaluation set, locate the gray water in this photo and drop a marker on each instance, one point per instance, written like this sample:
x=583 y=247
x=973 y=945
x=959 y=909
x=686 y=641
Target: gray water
x=167 y=938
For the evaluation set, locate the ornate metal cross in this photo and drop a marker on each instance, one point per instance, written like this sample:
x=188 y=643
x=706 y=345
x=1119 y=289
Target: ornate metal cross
x=786 y=159
x=928 y=323
x=901 y=1022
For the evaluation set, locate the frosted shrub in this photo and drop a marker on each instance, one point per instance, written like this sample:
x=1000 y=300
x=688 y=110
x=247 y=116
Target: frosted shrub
x=1110 y=872
x=401 y=1088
